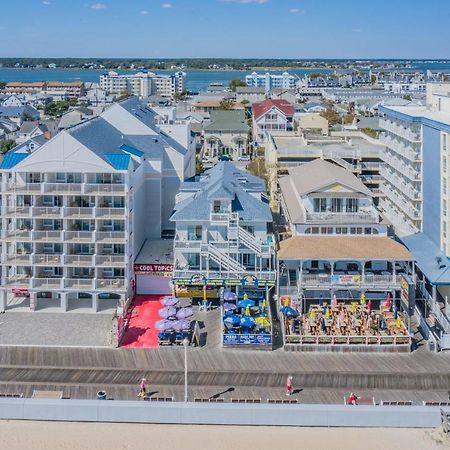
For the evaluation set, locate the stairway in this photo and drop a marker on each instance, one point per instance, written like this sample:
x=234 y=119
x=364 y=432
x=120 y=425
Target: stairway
x=224 y=260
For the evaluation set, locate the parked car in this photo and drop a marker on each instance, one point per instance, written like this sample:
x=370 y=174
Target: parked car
x=244 y=158
x=225 y=158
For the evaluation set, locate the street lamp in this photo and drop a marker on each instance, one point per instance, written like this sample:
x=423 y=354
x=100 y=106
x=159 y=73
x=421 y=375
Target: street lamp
x=185 y=345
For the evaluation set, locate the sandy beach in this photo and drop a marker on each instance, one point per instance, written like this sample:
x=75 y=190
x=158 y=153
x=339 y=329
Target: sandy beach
x=21 y=435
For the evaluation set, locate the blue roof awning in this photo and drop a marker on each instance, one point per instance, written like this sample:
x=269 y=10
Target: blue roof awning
x=118 y=161
x=132 y=150
x=433 y=263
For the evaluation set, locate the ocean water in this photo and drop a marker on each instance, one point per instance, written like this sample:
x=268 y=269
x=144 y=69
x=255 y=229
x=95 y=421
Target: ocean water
x=196 y=79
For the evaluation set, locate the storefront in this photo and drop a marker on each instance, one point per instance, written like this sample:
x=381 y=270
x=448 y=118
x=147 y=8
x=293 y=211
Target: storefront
x=153 y=278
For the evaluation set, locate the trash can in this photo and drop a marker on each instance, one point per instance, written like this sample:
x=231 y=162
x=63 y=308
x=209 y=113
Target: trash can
x=101 y=395
x=431 y=346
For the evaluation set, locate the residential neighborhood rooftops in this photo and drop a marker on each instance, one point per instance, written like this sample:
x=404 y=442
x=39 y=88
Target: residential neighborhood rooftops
x=262 y=108
x=225 y=120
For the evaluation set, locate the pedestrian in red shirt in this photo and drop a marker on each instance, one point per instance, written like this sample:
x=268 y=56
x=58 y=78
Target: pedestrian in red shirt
x=352 y=399
x=289 y=387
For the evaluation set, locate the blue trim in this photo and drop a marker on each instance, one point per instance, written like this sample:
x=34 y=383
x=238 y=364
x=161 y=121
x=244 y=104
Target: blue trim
x=129 y=149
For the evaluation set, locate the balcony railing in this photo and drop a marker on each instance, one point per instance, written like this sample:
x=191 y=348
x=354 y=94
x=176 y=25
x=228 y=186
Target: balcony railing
x=402 y=186
x=110 y=284
x=79 y=212
x=104 y=188
x=48 y=259
x=47 y=283
x=43 y=211
x=399 y=130
x=344 y=217
x=16 y=211
x=22 y=235
x=79 y=283
x=111 y=236
x=63 y=188
x=261 y=275
x=324 y=279
x=21 y=188
x=110 y=212
x=219 y=217
x=17 y=259
x=110 y=260
x=79 y=236
x=17 y=281
x=79 y=260
x=47 y=236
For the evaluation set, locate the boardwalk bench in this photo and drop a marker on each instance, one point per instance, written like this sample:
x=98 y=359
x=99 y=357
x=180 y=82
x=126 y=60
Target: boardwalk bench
x=292 y=401
x=436 y=403
x=245 y=400
x=209 y=400
x=6 y=395
x=159 y=399
x=395 y=403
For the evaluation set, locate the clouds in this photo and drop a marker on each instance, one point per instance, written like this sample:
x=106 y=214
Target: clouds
x=99 y=6
x=297 y=11
x=46 y=3
x=245 y=2
x=144 y=12
x=167 y=6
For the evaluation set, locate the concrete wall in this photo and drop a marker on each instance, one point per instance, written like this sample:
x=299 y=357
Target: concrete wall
x=220 y=414
x=432 y=184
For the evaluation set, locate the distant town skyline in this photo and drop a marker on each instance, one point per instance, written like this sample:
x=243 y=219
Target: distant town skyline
x=225 y=28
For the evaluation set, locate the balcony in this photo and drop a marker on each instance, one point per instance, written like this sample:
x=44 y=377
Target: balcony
x=110 y=212
x=17 y=281
x=79 y=213
x=79 y=260
x=405 y=169
x=110 y=284
x=47 y=259
x=405 y=150
x=78 y=283
x=47 y=212
x=342 y=218
x=17 y=235
x=17 y=259
x=79 y=236
x=111 y=260
x=403 y=187
x=22 y=188
x=46 y=283
x=220 y=218
x=111 y=236
x=63 y=188
x=224 y=274
x=105 y=188
x=399 y=130
x=16 y=211
x=366 y=280
x=47 y=236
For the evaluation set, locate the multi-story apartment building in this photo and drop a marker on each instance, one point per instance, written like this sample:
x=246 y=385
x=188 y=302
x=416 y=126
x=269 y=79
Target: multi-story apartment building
x=417 y=189
x=271 y=81
x=143 y=84
x=222 y=229
x=76 y=211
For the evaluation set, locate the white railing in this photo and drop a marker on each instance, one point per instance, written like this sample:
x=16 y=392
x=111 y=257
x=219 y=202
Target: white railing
x=78 y=283
x=104 y=188
x=38 y=211
x=110 y=212
x=23 y=235
x=84 y=236
x=47 y=283
x=22 y=211
x=18 y=280
x=405 y=169
x=226 y=274
x=48 y=259
x=110 y=284
x=402 y=223
x=54 y=236
x=398 y=130
x=23 y=188
x=79 y=260
x=332 y=217
x=405 y=150
x=367 y=279
x=63 y=188
x=78 y=212
x=110 y=261
x=219 y=217
x=401 y=185
x=17 y=259
x=110 y=236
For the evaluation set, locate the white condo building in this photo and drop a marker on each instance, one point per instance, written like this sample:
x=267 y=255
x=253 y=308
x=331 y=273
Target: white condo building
x=76 y=211
x=271 y=81
x=144 y=84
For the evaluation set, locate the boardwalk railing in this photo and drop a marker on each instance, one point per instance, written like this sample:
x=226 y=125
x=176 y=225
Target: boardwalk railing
x=347 y=340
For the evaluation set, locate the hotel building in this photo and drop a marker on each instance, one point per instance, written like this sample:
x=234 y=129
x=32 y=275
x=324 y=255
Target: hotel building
x=271 y=81
x=76 y=211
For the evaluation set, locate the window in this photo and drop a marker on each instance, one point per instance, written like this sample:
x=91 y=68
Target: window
x=444 y=164
x=193 y=260
x=194 y=232
x=444 y=229
x=359 y=230
x=352 y=205
x=444 y=186
x=368 y=230
x=444 y=207
x=336 y=204
x=248 y=260
x=315 y=230
x=320 y=205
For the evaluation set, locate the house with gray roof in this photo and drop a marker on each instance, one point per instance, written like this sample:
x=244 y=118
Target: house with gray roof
x=227 y=133
x=222 y=221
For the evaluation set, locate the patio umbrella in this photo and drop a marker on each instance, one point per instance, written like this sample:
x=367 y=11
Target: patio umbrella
x=388 y=300
x=248 y=321
x=229 y=306
x=169 y=301
x=334 y=301
x=181 y=325
x=263 y=304
x=246 y=302
x=183 y=313
x=369 y=305
x=362 y=298
x=229 y=296
x=232 y=319
x=395 y=313
x=262 y=321
x=164 y=325
x=289 y=312
x=167 y=312
x=324 y=328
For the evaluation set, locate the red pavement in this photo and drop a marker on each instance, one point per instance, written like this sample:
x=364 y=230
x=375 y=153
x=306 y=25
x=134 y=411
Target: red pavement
x=141 y=330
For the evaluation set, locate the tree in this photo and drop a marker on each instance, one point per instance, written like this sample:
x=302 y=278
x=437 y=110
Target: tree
x=198 y=165
x=180 y=95
x=226 y=104
x=7 y=145
x=332 y=116
x=56 y=109
x=236 y=82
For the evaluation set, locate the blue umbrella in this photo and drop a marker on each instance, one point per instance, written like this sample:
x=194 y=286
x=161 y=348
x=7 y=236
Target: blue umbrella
x=289 y=312
x=395 y=313
x=170 y=301
x=245 y=303
x=248 y=321
x=232 y=319
x=229 y=296
x=229 y=306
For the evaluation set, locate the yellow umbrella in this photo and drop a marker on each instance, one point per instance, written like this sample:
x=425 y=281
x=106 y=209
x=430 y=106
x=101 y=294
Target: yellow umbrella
x=399 y=322
x=312 y=314
x=247 y=311
x=327 y=313
x=262 y=321
x=245 y=296
x=263 y=304
x=363 y=298
x=354 y=307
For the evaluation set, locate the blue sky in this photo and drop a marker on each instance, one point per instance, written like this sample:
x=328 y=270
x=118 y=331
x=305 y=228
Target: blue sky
x=226 y=28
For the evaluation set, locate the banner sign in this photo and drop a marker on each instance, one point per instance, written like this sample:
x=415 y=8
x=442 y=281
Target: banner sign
x=249 y=281
x=198 y=280
x=154 y=269
x=247 y=339
x=346 y=280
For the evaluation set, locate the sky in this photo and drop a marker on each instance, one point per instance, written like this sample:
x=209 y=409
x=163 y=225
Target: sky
x=225 y=28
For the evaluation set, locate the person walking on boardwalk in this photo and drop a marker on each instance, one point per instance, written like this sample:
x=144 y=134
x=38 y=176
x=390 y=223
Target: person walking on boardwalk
x=142 y=388
x=289 y=386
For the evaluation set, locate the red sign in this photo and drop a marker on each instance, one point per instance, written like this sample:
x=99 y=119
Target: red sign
x=149 y=269
x=20 y=291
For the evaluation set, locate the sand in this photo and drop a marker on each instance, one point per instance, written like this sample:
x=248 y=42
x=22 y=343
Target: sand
x=25 y=435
